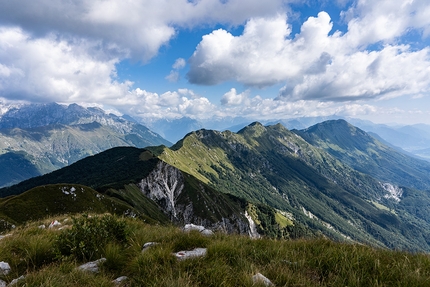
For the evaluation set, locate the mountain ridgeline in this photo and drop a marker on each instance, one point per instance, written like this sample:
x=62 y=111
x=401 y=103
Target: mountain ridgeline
x=37 y=139
x=290 y=184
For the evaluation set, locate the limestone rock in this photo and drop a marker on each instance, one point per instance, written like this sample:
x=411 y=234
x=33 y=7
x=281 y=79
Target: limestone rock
x=148 y=245
x=199 y=228
x=119 y=280
x=3 y=236
x=92 y=266
x=4 y=268
x=260 y=278
x=54 y=223
x=197 y=252
x=15 y=281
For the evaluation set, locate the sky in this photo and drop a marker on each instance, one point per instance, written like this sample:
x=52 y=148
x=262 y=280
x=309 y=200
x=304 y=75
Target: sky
x=261 y=60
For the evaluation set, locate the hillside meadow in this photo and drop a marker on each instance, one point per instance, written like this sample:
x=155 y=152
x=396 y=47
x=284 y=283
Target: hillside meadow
x=49 y=257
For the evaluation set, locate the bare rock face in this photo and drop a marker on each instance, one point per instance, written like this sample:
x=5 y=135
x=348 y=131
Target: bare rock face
x=164 y=185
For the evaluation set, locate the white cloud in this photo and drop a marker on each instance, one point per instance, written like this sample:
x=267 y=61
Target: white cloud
x=135 y=28
x=315 y=64
x=52 y=69
x=174 y=76
x=149 y=105
x=179 y=64
x=232 y=98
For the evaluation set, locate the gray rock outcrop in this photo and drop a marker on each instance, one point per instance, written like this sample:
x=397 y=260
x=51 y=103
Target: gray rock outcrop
x=92 y=266
x=260 y=278
x=197 y=252
x=4 y=268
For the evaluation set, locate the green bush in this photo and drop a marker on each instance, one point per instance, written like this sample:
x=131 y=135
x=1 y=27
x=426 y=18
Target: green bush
x=89 y=236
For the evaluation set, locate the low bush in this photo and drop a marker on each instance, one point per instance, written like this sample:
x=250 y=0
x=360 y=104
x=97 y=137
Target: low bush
x=89 y=236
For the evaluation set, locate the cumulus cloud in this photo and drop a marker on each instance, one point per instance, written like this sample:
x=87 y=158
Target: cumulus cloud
x=52 y=69
x=232 y=98
x=173 y=76
x=135 y=28
x=174 y=104
x=318 y=63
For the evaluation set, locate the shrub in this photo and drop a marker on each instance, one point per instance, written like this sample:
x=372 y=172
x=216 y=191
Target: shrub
x=89 y=236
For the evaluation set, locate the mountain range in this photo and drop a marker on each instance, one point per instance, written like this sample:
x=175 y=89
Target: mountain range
x=332 y=180
x=39 y=138
x=413 y=140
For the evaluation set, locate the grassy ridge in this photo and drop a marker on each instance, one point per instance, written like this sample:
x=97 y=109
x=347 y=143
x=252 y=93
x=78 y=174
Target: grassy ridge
x=364 y=153
x=273 y=166
x=230 y=260
x=49 y=200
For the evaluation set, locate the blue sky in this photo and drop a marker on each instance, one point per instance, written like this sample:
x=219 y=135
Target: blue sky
x=256 y=59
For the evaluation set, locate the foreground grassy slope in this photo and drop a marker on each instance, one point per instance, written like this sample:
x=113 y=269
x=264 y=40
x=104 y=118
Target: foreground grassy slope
x=230 y=261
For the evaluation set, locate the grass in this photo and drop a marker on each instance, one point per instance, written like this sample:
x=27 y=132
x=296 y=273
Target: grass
x=231 y=260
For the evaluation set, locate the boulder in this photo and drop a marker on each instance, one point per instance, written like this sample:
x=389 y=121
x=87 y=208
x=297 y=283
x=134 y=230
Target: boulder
x=54 y=223
x=3 y=236
x=4 y=268
x=207 y=232
x=197 y=252
x=92 y=266
x=148 y=245
x=15 y=281
x=119 y=280
x=199 y=228
x=189 y=227
x=260 y=278
x=3 y=283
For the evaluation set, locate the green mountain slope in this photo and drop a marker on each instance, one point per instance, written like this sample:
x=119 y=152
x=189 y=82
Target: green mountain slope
x=289 y=187
x=16 y=167
x=49 y=200
x=152 y=188
x=274 y=166
x=364 y=153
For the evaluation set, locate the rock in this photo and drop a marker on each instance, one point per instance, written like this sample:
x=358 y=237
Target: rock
x=92 y=266
x=54 y=223
x=119 y=280
x=4 y=268
x=260 y=278
x=14 y=281
x=64 y=227
x=190 y=227
x=148 y=245
x=3 y=283
x=3 y=236
x=199 y=228
x=207 y=232
x=197 y=252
